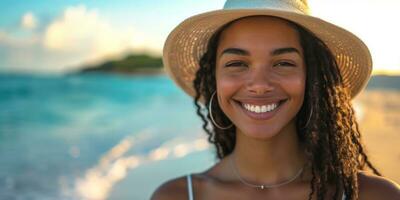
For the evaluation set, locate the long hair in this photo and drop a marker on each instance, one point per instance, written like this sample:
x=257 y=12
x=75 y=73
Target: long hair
x=326 y=124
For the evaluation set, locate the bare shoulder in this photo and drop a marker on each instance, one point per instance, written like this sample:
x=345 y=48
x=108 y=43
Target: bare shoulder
x=173 y=189
x=377 y=187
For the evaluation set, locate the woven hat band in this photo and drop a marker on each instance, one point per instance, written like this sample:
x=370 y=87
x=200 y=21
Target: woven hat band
x=298 y=6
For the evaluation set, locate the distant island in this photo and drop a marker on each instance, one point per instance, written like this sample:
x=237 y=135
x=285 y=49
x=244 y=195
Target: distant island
x=131 y=64
x=385 y=82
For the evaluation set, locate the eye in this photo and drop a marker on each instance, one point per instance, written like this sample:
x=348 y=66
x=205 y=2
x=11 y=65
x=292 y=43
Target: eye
x=235 y=64
x=285 y=64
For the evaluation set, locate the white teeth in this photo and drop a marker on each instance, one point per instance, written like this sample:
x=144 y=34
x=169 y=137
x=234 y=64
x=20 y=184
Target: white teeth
x=260 y=109
x=264 y=109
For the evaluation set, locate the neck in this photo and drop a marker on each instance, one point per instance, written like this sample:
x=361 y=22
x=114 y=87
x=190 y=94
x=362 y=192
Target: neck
x=271 y=160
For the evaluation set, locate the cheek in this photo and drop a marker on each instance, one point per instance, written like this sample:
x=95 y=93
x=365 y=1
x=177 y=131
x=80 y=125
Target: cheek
x=225 y=82
x=297 y=88
x=226 y=88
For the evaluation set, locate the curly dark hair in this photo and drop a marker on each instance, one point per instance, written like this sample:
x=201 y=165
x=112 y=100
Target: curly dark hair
x=326 y=124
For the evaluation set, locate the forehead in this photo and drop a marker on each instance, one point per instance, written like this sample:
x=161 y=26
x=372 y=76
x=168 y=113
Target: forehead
x=261 y=32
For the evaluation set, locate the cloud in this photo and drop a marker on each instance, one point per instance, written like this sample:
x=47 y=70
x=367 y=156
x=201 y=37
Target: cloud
x=78 y=36
x=29 y=21
x=82 y=30
x=77 y=28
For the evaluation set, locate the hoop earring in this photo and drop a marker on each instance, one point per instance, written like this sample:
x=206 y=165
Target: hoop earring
x=212 y=118
x=309 y=118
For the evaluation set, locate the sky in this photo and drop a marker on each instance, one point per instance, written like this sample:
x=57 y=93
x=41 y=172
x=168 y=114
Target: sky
x=54 y=36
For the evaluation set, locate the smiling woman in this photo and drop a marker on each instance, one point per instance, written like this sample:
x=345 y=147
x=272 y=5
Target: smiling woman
x=277 y=84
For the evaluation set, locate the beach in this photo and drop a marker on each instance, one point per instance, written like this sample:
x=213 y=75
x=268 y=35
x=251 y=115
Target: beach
x=380 y=127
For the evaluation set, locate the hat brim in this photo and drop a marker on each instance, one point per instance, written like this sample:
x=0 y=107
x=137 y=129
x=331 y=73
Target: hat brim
x=188 y=42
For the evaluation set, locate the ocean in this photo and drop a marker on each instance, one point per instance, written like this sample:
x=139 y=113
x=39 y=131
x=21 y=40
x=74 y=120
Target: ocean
x=69 y=137
x=102 y=136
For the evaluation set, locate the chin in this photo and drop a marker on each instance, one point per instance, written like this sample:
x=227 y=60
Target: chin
x=262 y=133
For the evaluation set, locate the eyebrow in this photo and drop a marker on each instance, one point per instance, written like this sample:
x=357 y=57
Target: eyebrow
x=242 y=52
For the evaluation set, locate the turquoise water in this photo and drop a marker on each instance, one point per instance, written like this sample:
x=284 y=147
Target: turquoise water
x=57 y=131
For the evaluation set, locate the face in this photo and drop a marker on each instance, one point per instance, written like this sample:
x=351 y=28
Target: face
x=260 y=76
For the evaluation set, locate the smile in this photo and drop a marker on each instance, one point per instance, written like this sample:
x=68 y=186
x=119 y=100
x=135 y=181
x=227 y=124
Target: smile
x=260 y=108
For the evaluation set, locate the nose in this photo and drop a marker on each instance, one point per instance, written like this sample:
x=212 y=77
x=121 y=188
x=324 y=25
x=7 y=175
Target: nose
x=260 y=82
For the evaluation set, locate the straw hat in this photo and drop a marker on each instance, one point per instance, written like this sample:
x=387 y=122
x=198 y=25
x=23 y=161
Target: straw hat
x=188 y=41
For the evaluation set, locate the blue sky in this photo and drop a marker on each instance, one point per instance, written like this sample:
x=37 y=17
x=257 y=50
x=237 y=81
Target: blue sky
x=57 y=36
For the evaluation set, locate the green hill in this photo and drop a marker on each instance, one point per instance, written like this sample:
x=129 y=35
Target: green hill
x=132 y=64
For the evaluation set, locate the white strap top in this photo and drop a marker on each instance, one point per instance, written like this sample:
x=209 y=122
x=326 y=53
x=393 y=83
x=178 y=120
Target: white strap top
x=190 y=188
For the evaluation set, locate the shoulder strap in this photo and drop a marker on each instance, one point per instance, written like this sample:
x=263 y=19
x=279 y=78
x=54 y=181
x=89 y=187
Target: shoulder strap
x=189 y=186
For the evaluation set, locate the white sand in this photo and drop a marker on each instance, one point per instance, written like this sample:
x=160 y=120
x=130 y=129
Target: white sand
x=380 y=128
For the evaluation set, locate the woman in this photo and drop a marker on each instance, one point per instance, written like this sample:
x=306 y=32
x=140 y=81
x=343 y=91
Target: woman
x=277 y=84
